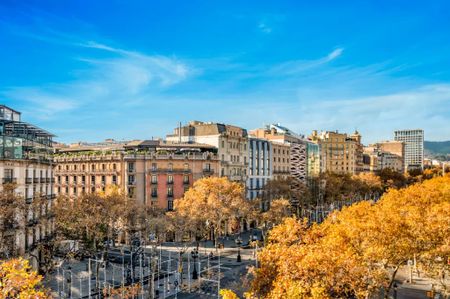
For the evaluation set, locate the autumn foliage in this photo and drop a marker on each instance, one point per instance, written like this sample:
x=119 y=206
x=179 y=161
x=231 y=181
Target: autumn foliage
x=210 y=204
x=356 y=252
x=18 y=280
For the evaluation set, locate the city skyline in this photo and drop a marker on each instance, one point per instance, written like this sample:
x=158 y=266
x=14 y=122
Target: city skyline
x=87 y=76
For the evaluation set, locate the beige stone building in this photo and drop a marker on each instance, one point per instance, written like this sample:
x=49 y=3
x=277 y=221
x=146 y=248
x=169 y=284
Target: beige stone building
x=281 y=160
x=383 y=155
x=340 y=152
x=152 y=172
x=230 y=141
x=26 y=162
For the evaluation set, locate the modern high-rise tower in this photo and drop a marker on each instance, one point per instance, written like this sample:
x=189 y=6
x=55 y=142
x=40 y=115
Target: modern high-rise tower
x=413 y=140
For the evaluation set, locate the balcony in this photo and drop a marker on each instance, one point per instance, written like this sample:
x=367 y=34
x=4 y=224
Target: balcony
x=168 y=170
x=29 y=200
x=42 y=180
x=154 y=195
x=36 y=180
x=9 y=180
x=48 y=180
x=52 y=180
x=169 y=182
x=207 y=171
x=28 y=181
x=131 y=183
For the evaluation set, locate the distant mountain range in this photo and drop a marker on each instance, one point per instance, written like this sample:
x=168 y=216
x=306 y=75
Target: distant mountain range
x=437 y=149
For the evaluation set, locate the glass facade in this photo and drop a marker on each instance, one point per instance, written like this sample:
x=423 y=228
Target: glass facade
x=313 y=168
x=20 y=140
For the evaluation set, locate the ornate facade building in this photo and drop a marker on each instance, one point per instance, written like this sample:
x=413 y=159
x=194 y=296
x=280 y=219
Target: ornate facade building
x=152 y=172
x=25 y=165
x=339 y=152
x=230 y=141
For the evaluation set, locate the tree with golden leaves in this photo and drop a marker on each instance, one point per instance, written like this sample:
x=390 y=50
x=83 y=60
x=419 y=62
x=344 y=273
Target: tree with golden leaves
x=97 y=217
x=357 y=252
x=18 y=280
x=12 y=218
x=211 y=203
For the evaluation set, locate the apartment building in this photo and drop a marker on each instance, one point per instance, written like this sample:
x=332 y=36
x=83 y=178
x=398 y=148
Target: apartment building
x=293 y=155
x=383 y=155
x=281 y=160
x=152 y=172
x=26 y=162
x=413 y=140
x=260 y=166
x=340 y=152
x=230 y=141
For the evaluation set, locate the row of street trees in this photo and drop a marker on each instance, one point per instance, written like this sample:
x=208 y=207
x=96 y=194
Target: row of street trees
x=110 y=216
x=357 y=252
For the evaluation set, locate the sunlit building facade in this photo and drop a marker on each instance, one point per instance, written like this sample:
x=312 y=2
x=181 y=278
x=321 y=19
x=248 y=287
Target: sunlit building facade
x=26 y=162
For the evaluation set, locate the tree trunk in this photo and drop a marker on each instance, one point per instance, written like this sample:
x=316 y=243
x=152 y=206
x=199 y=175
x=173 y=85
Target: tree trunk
x=391 y=282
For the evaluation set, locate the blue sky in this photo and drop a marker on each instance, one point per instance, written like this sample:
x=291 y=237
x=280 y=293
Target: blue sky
x=90 y=70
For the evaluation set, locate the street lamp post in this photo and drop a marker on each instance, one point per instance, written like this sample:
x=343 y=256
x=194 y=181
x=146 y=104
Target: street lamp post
x=239 y=243
x=194 y=254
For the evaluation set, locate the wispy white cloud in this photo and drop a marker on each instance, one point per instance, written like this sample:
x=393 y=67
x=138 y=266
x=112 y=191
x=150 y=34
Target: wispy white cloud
x=126 y=76
x=263 y=27
x=294 y=67
x=335 y=54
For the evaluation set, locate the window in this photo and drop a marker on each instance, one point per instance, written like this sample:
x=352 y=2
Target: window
x=170 y=179
x=103 y=179
x=74 y=179
x=186 y=166
x=170 y=205
x=93 y=167
x=186 y=179
x=114 y=166
x=93 y=179
x=131 y=179
x=93 y=189
x=83 y=179
x=154 y=192
x=83 y=167
x=170 y=191
x=114 y=179
x=207 y=167
x=130 y=166
x=59 y=179
x=154 y=179
x=170 y=167
x=67 y=179
x=74 y=190
x=154 y=167
x=103 y=166
x=75 y=167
